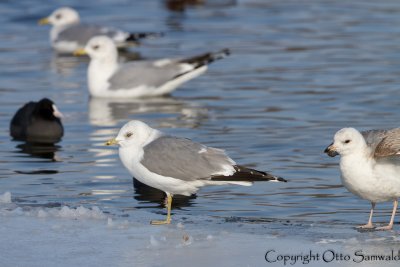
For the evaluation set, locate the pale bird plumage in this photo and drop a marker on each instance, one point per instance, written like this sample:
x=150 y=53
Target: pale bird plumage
x=369 y=165
x=68 y=33
x=109 y=78
x=175 y=165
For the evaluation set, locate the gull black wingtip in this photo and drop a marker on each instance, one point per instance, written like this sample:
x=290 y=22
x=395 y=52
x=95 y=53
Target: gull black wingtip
x=226 y=51
x=206 y=58
x=280 y=179
x=135 y=37
x=248 y=175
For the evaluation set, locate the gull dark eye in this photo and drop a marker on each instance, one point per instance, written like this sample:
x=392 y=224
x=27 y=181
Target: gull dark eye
x=347 y=141
x=129 y=134
x=58 y=16
x=95 y=47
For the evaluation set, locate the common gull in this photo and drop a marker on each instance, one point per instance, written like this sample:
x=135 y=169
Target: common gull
x=109 y=78
x=178 y=166
x=68 y=34
x=370 y=166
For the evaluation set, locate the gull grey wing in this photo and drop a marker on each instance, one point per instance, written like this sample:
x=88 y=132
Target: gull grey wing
x=82 y=33
x=183 y=159
x=389 y=145
x=373 y=137
x=143 y=73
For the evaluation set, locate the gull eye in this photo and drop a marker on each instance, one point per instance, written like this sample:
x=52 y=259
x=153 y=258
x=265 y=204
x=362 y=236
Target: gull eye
x=58 y=16
x=347 y=141
x=128 y=134
x=95 y=47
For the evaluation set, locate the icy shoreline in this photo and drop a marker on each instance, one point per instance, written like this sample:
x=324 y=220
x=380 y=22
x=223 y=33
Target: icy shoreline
x=66 y=236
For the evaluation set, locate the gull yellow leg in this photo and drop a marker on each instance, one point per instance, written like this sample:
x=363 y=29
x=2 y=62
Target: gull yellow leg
x=168 y=220
x=390 y=225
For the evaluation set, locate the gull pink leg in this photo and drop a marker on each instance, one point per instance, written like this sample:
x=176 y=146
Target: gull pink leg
x=369 y=225
x=390 y=225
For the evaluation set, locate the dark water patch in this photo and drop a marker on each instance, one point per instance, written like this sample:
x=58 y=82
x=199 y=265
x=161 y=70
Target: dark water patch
x=38 y=172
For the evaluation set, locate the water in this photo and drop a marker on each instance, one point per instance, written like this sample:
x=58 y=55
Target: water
x=299 y=71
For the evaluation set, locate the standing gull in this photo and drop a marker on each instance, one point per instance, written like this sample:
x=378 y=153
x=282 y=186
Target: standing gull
x=68 y=34
x=370 y=166
x=178 y=165
x=108 y=78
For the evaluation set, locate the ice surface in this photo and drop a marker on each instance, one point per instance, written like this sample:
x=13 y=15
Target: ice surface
x=86 y=236
x=5 y=198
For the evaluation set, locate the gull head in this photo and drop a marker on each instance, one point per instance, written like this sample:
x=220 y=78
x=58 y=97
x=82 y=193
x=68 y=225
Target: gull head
x=134 y=133
x=60 y=17
x=346 y=141
x=99 y=47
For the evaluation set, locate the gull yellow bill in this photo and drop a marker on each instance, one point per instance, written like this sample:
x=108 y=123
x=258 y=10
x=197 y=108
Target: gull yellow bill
x=111 y=142
x=44 y=21
x=80 y=52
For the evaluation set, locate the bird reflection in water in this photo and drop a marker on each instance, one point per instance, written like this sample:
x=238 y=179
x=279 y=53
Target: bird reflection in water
x=40 y=150
x=173 y=112
x=181 y=5
x=175 y=21
x=147 y=194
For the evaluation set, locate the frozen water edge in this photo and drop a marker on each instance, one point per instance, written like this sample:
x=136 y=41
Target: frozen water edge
x=86 y=236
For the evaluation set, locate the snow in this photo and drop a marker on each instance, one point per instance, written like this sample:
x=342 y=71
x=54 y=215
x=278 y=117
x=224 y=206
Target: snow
x=86 y=236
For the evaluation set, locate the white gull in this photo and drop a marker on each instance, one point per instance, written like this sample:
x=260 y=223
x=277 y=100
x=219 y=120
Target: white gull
x=370 y=166
x=110 y=79
x=69 y=34
x=178 y=165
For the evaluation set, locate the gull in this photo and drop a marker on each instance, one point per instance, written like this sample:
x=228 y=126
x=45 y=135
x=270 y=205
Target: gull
x=68 y=34
x=178 y=166
x=110 y=79
x=369 y=166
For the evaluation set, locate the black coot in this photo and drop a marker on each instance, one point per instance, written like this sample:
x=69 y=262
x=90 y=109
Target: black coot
x=37 y=122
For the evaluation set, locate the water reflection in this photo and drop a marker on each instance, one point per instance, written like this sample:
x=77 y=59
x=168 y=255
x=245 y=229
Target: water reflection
x=112 y=112
x=66 y=64
x=39 y=150
x=178 y=15
x=145 y=193
x=181 y=5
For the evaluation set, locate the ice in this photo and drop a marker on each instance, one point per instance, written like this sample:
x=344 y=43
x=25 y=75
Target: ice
x=86 y=236
x=65 y=212
x=80 y=213
x=5 y=198
x=154 y=242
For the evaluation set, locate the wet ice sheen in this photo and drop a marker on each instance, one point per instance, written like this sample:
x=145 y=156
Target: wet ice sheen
x=95 y=238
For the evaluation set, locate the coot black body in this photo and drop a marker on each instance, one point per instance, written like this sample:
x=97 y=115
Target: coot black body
x=37 y=122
